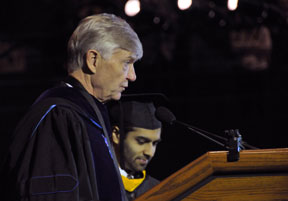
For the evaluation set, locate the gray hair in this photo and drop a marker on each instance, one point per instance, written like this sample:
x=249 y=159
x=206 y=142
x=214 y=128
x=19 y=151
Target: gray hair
x=103 y=33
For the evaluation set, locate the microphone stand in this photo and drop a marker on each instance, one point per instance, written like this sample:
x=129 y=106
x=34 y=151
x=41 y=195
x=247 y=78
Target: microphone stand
x=233 y=143
x=199 y=131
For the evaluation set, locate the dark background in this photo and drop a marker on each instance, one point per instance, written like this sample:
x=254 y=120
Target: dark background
x=220 y=69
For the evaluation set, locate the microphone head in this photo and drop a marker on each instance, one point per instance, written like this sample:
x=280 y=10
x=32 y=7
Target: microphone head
x=163 y=114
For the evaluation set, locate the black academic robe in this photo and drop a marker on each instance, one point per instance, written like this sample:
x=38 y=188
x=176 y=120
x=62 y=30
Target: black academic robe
x=148 y=183
x=59 y=152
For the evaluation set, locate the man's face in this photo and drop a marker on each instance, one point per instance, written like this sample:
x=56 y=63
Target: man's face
x=139 y=148
x=113 y=74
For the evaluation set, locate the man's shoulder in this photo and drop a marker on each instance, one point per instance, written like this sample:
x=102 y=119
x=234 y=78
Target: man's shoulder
x=48 y=111
x=54 y=104
x=71 y=97
x=50 y=107
x=151 y=180
x=59 y=92
x=61 y=97
x=148 y=183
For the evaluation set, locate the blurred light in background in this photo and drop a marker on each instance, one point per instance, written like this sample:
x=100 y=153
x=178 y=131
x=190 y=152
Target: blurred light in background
x=132 y=7
x=184 y=4
x=232 y=4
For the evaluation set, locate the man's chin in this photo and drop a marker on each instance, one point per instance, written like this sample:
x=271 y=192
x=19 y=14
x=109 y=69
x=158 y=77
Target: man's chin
x=140 y=168
x=116 y=96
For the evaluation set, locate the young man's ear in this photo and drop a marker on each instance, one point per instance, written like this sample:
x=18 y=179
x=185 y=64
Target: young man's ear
x=92 y=57
x=116 y=135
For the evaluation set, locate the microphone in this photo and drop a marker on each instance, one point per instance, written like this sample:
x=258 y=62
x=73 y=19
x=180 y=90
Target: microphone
x=233 y=143
x=166 y=116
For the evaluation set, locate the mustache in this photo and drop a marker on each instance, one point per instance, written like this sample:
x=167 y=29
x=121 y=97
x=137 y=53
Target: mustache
x=145 y=157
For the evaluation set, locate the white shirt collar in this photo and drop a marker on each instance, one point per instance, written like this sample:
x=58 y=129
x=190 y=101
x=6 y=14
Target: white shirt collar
x=68 y=85
x=125 y=174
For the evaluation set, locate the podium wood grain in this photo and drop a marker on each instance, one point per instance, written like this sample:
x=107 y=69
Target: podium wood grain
x=260 y=174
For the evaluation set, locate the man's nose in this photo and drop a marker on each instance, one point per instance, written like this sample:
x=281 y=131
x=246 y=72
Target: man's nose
x=131 y=74
x=149 y=150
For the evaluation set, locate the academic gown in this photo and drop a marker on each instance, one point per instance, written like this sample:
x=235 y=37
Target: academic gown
x=59 y=152
x=148 y=183
x=138 y=184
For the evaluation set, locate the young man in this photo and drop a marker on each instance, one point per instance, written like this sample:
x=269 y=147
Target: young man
x=136 y=133
x=61 y=150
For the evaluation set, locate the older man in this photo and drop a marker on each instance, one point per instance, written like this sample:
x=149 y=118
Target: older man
x=61 y=149
x=136 y=134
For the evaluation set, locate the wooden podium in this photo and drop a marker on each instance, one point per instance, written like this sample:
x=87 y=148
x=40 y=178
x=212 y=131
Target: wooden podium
x=260 y=174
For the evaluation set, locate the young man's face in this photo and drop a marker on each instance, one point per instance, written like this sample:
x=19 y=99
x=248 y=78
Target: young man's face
x=139 y=148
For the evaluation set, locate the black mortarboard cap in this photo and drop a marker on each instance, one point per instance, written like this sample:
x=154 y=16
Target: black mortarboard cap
x=136 y=110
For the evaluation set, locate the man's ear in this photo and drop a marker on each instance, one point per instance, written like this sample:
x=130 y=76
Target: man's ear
x=92 y=57
x=116 y=135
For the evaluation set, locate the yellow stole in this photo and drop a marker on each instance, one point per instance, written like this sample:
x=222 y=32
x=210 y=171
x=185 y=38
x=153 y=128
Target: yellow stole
x=131 y=184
